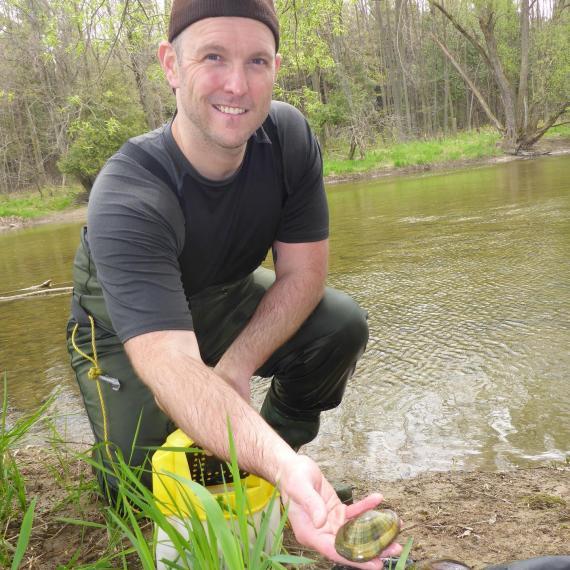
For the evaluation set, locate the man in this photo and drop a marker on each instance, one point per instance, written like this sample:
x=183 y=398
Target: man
x=169 y=293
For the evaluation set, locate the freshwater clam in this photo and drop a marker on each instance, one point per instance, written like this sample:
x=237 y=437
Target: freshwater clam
x=364 y=537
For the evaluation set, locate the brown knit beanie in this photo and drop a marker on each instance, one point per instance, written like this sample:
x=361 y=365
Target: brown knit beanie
x=186 y=12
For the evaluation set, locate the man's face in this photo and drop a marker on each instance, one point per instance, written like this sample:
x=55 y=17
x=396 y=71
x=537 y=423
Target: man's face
x=226 y=68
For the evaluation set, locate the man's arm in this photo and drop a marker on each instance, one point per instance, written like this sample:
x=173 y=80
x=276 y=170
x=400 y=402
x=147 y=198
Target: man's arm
x=199 y=402
x=300 y=271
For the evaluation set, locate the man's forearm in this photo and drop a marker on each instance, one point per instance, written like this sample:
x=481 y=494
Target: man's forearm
x=200 y=403
x=282 y=310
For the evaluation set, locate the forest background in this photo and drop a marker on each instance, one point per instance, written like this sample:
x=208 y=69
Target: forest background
x=78 y=77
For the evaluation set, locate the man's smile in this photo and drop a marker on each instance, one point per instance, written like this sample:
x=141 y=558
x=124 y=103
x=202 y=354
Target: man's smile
x=230 y=110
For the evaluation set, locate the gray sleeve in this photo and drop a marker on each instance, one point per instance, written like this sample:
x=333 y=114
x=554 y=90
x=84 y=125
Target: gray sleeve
x=305 y=215
x=136 y=233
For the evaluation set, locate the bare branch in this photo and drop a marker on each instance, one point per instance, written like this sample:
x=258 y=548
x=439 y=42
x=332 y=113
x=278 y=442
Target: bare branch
x=471 y=85
x=463 y=31
x=548 y=125
x=116 y=39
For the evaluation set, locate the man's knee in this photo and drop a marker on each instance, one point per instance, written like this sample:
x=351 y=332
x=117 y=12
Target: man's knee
x=348 y=322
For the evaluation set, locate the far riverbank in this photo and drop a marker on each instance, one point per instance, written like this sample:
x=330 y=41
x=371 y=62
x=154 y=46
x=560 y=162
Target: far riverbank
x=552 y=146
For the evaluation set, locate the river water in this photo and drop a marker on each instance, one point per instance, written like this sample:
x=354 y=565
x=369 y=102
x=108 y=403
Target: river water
x=466 y=278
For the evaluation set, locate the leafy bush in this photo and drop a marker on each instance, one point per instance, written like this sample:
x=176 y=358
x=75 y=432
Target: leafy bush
x=94 y=141
x=105 y=121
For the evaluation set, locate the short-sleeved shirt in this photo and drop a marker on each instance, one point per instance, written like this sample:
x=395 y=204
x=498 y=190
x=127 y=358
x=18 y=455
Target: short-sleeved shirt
x=154 y=245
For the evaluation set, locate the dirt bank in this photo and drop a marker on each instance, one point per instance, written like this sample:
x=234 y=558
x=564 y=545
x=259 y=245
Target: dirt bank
x=479 y=518
x=482 y=518
x=552 y=147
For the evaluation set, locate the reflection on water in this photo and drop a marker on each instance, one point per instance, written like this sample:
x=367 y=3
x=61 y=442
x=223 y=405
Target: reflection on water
x=467 y=283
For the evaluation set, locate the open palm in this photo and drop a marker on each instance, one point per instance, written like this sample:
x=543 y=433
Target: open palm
x=316 y=513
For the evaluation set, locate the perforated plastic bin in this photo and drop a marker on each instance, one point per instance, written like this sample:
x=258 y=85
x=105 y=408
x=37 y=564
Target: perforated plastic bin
x=175 y=499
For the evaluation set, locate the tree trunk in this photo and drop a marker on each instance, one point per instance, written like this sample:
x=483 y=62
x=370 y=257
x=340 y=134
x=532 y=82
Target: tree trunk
x=37 y=150
x=482 y=101
x=386 y=36
x=522 y=97
x=487 y=25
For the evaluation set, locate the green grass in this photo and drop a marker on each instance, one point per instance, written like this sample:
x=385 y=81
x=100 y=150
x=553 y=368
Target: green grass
x=29 y=205
x=464 y=146
x=562 y=131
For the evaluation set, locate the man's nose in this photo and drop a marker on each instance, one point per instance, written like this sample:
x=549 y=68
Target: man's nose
x=236 y=80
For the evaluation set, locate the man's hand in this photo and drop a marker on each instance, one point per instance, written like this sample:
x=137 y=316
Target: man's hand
x=316 y=513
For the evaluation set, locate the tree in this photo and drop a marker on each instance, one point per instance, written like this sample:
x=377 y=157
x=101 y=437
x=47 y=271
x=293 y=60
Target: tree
x=100 y=133
x=525 y=115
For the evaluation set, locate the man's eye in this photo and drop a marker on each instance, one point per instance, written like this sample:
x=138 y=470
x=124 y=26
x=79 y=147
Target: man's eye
x=213 y=57
x=259 y=61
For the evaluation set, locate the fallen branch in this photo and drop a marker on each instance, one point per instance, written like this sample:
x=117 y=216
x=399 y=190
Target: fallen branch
x=39 y=292
x=43 y=285
x=46 y=284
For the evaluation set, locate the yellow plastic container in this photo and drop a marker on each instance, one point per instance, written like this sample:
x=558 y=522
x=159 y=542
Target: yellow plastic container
x=173 y=496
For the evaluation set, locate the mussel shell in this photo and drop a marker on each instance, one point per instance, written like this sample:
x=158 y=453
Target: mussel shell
x=364 y=537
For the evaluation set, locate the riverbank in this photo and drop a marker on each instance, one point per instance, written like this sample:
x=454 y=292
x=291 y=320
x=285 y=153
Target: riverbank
x=554 y=146
x=342 y=171
x=477 y=517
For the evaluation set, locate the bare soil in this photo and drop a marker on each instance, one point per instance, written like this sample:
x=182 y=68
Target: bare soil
x=476 y=517
x=482 y=518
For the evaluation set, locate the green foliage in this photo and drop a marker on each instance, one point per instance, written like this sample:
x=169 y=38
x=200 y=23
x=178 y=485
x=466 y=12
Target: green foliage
x=94 y=141
x=127 y=530
x=80 y=79
x=562 y=131
x=24 y=535
x=97 y=135
x=305 y=25
x=334 y=113
x=550 y=58
x=307 y=31
x=224 y=541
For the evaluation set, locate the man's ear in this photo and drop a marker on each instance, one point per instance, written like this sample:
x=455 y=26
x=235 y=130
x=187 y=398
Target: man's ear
x=277 y=63
x=169 y=63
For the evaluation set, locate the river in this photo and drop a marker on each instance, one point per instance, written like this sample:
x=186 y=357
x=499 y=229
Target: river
x=466 y=278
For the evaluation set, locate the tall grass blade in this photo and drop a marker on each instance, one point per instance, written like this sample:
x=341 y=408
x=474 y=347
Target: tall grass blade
x=401 y=565
x=4 y=406
x=24 y=538
x=134 y=534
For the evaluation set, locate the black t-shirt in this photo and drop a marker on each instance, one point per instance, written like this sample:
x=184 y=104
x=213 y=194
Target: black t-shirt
x=153 y=246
